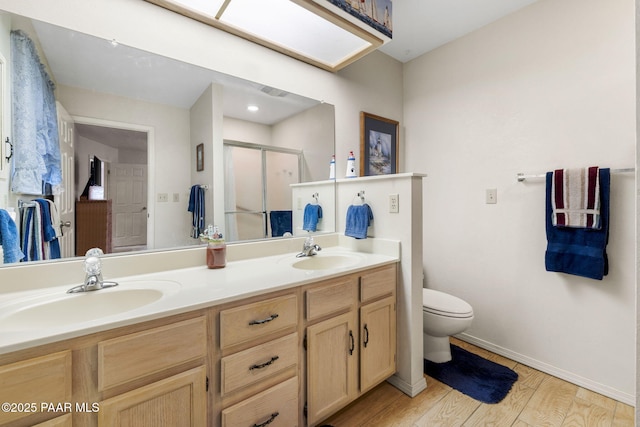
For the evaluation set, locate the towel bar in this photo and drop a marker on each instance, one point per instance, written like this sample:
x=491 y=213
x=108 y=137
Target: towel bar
x=522 y=177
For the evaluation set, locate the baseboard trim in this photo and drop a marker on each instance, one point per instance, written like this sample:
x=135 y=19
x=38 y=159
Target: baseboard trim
x=411 y=390
x=552 y=370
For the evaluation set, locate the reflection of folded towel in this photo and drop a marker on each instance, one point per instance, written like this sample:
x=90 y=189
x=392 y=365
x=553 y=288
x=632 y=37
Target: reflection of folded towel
x=579 y=251
x=9 y=238
x=312 y=213
x=576 y=198
x=281 y=222
x=358 y=219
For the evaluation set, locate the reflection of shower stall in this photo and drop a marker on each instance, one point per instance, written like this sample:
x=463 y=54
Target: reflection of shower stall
x=257 y=189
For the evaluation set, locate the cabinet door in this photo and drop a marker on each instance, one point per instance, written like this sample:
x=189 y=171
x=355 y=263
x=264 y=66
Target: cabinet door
x=378 y=342
x=332 y=352
x=177 y=401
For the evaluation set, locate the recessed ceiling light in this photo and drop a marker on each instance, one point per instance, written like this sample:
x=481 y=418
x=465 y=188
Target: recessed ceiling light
x=253 y=108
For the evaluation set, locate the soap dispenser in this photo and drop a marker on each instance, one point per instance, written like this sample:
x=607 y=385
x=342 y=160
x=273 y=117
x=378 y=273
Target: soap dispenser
x=332 y=167
x=216 y=247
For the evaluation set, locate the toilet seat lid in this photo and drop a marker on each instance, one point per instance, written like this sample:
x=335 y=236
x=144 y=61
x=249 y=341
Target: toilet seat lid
x=444 y=304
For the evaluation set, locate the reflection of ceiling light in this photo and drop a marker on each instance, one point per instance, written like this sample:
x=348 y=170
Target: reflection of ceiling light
x=114 y=42
x=253 y=108
x=313 y=31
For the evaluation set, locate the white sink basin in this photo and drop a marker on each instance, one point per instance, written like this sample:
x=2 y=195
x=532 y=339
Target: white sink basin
x=59 y=309
x=326 y=262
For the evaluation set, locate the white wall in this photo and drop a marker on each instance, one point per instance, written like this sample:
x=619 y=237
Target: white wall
x=548 y=87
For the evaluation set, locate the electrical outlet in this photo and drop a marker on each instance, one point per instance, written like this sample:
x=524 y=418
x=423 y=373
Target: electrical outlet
x=393 y=203
x=491 y=196
x=163 y=197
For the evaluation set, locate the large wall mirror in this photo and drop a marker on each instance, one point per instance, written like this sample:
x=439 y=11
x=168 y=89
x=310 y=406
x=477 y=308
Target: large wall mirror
x=141 y=116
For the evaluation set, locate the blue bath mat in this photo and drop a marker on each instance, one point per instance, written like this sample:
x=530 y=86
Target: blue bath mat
x=473 y=375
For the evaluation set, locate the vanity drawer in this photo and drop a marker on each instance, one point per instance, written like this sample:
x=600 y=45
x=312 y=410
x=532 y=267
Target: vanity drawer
x=278 y=404
x=378 y=283
x=331 y=297
x=37 y=380
x=259 y=362
x=134 y=356
x=252 y=321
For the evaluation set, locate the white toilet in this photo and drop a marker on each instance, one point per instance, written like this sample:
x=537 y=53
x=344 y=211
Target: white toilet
x=443 y=315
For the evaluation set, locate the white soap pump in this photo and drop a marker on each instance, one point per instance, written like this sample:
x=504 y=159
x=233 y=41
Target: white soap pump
x=332 y=167
x=351 y=165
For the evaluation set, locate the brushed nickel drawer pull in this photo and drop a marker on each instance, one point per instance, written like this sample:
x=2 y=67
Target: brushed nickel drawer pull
x=265 y=364
x=260 y=322
x=269 y=421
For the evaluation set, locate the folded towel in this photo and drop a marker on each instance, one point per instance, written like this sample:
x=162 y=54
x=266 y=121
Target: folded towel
x=579 y=251
x=576 y=198
x=9 y=238
x=358 y=219
x=196 y=207
x=312 y=213
x=281 y=222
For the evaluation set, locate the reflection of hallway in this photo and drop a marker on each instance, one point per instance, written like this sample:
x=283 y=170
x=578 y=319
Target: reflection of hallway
x=124 y=153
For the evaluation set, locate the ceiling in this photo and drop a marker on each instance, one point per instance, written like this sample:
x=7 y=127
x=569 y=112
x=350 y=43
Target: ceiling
x=419 y=26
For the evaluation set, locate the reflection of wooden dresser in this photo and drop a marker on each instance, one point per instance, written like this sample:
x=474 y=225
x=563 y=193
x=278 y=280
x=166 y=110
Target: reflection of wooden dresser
x=93 y=226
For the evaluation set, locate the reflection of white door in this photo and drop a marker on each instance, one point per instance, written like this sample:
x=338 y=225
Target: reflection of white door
x=65 y=202
x=128 y=190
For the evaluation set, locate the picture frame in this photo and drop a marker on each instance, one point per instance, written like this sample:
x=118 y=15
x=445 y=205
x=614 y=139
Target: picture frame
x=379 y=141
x=200 y=157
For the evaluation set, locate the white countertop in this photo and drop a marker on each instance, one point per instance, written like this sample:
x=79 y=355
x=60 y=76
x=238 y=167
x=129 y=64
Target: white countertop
x=189 y=289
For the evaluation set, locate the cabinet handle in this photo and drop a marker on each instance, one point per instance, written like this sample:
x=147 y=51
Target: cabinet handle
x=269 y=421
x=265 y=364
x=353 y=343
x=260 y=322
x=366 y=335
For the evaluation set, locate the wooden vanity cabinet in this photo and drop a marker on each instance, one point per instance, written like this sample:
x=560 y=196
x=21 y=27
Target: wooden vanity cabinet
x=350 y=339
x=26 y=384
x=259 y=364
x=179 y=399
x=261 y=360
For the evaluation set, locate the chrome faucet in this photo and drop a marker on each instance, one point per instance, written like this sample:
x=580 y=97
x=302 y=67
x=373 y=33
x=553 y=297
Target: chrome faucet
x=309 y=248
x=93 y=280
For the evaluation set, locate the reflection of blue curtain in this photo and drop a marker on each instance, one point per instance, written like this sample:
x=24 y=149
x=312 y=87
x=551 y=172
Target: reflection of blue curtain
x=36 y=159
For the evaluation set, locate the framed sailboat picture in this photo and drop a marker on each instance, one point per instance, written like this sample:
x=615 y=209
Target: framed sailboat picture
x=378 y=145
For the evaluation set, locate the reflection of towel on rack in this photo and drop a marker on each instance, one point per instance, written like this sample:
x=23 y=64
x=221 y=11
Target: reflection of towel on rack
x=196 y=207
x=9 y=238
x=49 y=234
x=312 y=213
x=576 y=198
x=579 y=251
x=358 y=219
x=281 y=222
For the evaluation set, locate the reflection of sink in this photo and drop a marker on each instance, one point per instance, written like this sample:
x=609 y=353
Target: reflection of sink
x=325 y=262
x=62 y=309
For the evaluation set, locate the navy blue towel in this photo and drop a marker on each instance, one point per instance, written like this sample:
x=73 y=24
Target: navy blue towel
x=358 y=219
x=312 y=213
x=281 y=222
x=196 y=207
x=579 y=251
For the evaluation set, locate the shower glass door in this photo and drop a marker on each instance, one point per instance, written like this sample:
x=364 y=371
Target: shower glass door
x=257 y=190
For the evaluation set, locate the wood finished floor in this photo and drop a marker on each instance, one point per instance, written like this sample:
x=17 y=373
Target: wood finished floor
x=536 y=400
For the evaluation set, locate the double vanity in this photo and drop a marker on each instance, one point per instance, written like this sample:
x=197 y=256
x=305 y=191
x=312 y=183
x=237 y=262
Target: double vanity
x=273 y=340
